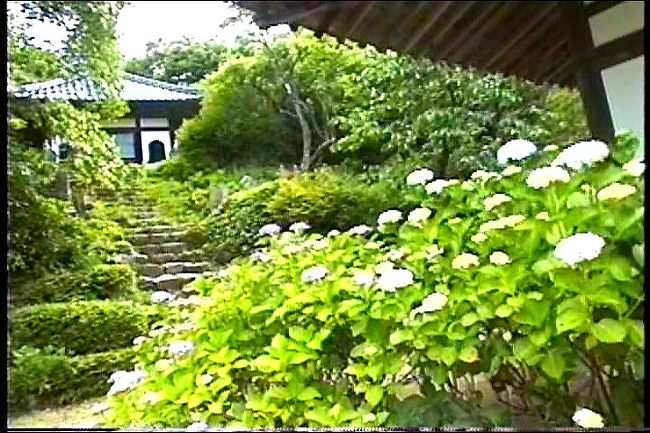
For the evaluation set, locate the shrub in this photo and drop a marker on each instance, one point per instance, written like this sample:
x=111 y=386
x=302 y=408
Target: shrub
x=83 y=326
x=320 y=331
x=96 y=283
x=39 y=379
x=326 y=200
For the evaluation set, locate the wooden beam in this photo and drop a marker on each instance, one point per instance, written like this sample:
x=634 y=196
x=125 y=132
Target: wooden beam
x=548 y=61
x=406 y=24
x=362 y=14
x=526 y=32
x=590 y=83
x=267 y=20
x=448 y=24
x=469 y=46
x=617 y=51
x=488 y=9
x=597 y=7
x=429 y=23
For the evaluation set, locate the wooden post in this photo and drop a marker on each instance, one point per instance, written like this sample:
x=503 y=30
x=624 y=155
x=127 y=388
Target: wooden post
x=589 y=79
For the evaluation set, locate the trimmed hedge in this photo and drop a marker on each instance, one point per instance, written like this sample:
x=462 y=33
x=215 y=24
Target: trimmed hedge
x=82 y=327
x=103 y=281
x=38 y=379
x=327 y=199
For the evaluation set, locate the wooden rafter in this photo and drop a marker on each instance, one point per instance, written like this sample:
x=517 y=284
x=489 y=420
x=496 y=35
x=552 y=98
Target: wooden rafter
x=440 y=32
x=365 y=9
x=431 y=21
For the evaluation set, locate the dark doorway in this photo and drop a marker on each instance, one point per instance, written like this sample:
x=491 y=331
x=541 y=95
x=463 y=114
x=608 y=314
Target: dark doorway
x=156 y=151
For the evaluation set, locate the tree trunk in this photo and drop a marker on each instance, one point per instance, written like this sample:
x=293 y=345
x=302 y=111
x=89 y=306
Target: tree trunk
x=306 y=134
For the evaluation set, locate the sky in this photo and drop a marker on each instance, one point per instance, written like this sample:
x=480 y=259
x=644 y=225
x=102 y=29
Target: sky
x=141 y=22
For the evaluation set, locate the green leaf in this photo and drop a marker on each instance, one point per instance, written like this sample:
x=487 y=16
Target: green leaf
x=300 y=334
x=553 y=365
x=504 y=310
x=309 y=393
x=374 y=395
x=400 y=335
x=609 y=331
x=267 y=364
x=468 y=354
x=448 y=355
x=532 y=313
x=438 y=373
x=300 y=357
x=636 y=332
x=469 y=319
x=638 y=251
x=539 y=338
x=524 y=350
x=553 y=236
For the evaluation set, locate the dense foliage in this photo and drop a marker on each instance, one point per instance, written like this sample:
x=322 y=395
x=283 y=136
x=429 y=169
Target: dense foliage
x=359 y=103
x=180 y=62
x=81 y=327
x=530 y=278
x=325 y=199
x=45 y=378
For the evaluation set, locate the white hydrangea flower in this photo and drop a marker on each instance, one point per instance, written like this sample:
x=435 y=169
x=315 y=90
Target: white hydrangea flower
x=372 y=245
x=499 y=258
x=419 y=177
x=511 y=170
x=393 y=279
x=433 y=251
x=498 y=224
x=467 y=186
x=260 y=256
x=384 y=267
x=395 y=255
x=315 y=273
x=453 y=221
x=543 y=216
x=161 y=296
x=579 y=247
x=125 y=380
x=586 y=418
x=291 y=249
x=180 y=348
x=516 y=150
x=137 y=341
x=319 y=244
x=270 y=230
x=299 y=227
x=482 y=337
x=388 y=217
x=635 y=167
x=507 y=336
x=436 y=186
x=419 y=215
x=479 y=237
x=483 y=175
x=582 y=153
x=163 y=364
x=495 y=200
x=542 y=177
x=333 y=233
x=364 y=278
x=197 y=426
x=464 y=261
x=223 y=273
x=433 y=302
x=360 y=230
x=616 y=191
x=550 y=148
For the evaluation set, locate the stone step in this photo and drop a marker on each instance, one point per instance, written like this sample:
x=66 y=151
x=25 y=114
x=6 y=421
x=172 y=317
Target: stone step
x=155 y=229
x=130 y=259
x=156 y=238
x=145 y=214
x=169 y=247
x=185 y=256
x=169 y=282
x=153 y=270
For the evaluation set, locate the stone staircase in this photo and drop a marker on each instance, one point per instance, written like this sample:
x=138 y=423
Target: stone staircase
x=163 y=259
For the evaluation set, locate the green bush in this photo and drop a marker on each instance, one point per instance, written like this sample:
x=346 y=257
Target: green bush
x=327 y=199
x=38 y=379
x=540 y=293
x=82 y=327
x=96 y=283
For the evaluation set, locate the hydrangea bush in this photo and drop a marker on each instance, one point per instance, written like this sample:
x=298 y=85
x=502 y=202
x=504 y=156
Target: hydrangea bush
x=519 y=289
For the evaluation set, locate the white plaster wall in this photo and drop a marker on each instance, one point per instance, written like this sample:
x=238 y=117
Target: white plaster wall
x=149 y=136
x=154 y=122
x=624 y=85
x=613 y=23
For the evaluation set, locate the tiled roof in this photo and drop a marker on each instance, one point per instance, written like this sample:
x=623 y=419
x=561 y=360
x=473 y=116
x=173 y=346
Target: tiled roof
x=134 y=88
